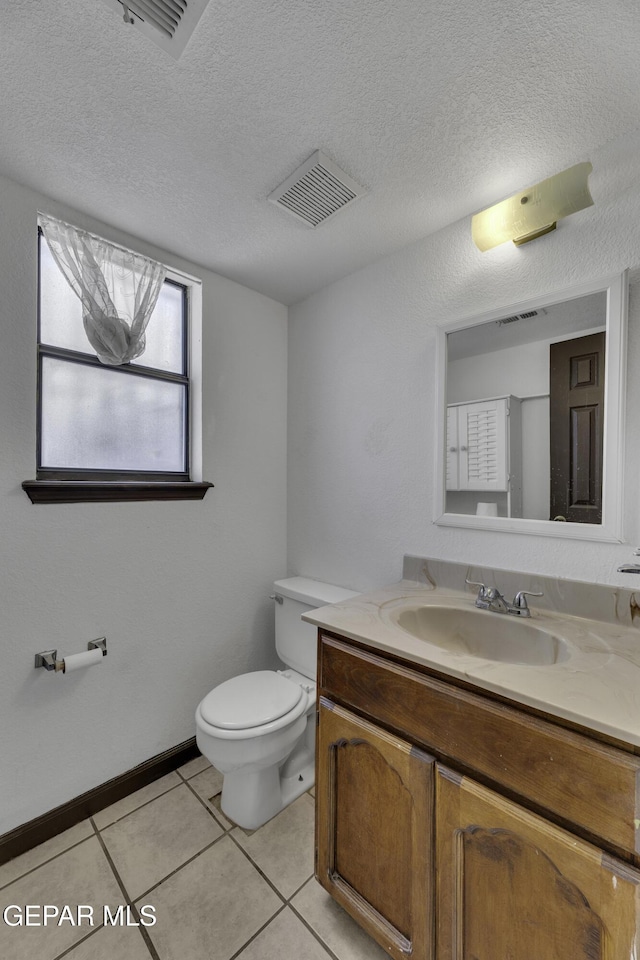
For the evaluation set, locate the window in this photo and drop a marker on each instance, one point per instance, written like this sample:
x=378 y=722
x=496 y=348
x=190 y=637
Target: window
x=112 y=432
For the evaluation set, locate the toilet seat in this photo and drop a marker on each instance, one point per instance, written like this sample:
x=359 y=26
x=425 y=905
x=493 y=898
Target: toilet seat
x=252 y=705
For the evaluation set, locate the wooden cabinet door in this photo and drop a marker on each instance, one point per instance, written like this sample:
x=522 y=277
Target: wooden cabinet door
x=511 y=886
x=374 y=830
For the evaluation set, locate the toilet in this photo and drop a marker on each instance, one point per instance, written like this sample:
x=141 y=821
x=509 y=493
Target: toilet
x=258 y=729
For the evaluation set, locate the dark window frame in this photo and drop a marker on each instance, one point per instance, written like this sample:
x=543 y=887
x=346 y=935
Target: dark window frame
x=62 y=484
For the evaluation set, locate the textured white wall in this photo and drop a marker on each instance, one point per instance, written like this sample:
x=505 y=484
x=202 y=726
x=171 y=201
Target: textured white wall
x=362 y=391
x=180 y=589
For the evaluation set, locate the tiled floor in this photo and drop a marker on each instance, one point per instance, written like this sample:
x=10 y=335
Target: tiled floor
x=218 y=892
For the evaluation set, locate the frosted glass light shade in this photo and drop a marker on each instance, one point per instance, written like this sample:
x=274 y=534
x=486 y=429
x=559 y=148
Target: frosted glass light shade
x=533 y=211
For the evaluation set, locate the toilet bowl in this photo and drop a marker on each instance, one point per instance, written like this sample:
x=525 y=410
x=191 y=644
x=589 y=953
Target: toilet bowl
x=258 y=729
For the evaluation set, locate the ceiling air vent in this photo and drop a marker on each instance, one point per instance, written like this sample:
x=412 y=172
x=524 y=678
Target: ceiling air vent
x=316 y=191
x=518 y=316
x=169 y=23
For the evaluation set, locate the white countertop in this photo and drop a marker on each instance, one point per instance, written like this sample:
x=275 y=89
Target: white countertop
x=598 y=686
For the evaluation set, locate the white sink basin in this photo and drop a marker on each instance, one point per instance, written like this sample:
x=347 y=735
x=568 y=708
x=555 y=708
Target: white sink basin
x=480 y=633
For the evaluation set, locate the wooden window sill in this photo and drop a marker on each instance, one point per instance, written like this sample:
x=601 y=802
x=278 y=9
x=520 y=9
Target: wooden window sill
x=92 y=491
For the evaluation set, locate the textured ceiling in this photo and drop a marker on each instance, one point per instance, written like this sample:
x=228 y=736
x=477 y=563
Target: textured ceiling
x=438 y=109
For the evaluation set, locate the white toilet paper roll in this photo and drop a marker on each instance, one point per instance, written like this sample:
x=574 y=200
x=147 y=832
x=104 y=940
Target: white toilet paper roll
x=79 y=660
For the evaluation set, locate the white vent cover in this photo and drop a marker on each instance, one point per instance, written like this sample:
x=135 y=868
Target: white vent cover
x=316 y=191
x=169 y=23
x=518 y=316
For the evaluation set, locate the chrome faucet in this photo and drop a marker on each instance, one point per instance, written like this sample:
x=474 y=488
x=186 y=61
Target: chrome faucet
x=490 y=598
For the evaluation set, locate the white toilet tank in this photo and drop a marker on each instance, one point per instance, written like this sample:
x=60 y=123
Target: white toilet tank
x=296 y=641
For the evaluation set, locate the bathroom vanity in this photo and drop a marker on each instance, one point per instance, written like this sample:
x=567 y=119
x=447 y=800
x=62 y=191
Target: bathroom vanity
x=470 y=806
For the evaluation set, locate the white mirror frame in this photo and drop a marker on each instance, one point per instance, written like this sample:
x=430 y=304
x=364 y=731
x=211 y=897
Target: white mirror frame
x=616 y=289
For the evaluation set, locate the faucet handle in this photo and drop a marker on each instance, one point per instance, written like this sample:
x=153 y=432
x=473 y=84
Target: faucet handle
x=482 y=588
x=490 y=593
x=520 y=601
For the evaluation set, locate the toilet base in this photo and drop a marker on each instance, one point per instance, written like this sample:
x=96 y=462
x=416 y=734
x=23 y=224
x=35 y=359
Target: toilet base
x=294 y=787
x=251 y=798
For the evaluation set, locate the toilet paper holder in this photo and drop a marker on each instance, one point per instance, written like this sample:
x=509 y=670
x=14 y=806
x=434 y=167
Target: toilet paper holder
x=49 y=658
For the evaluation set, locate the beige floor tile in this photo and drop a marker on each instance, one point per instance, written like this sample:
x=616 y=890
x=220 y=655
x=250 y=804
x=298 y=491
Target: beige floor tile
x=81 y=875
x=286 y=938
x=341 y=934
x=45 y=851
x=211 y=907
x=128 y=804
x=208 y=785
x=151 y=842
x=197 y=765
x=283 y=847
x=123 y=943
x=216 y=805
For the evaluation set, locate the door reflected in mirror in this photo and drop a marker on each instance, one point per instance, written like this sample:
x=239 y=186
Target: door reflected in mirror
x=532 y=415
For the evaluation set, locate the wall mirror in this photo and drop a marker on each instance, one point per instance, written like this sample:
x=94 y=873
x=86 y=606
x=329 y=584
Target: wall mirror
x=530 y=415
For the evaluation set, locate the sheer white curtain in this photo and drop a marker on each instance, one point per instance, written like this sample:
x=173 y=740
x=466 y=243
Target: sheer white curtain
x=118 y=288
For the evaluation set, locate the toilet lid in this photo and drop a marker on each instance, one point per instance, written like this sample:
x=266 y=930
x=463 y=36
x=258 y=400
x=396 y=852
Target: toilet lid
x=250 y=700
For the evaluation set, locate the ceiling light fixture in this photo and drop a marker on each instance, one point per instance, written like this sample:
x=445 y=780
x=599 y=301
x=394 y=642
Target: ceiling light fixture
x=535 y=211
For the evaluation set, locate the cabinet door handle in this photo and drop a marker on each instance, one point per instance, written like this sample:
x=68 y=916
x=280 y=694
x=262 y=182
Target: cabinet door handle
x=464 y=449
